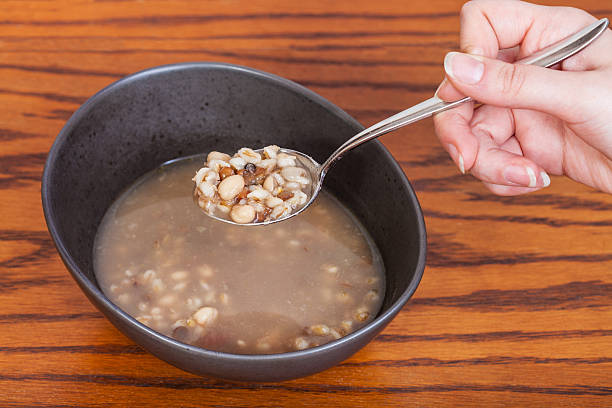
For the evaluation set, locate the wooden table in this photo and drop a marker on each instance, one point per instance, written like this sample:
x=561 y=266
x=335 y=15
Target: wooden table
x=515 y=306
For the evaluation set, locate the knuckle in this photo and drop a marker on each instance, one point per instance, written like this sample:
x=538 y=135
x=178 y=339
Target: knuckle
x=466 y=8
x=472 y=6
x=511 y=79
x=469 y=9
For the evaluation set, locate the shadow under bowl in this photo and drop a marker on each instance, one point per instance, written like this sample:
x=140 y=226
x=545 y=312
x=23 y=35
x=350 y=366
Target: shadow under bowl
x=139 y=122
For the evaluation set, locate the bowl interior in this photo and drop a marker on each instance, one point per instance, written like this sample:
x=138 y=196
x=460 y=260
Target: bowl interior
x=136 y=124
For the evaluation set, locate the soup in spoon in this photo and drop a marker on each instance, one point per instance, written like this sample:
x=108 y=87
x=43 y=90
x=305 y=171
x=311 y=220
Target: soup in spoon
x=252 y=186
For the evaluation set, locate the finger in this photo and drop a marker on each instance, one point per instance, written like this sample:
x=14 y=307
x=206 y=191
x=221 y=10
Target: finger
x=494 y=122
x=487 y=27
x=512 y=145
x=502 y=84
x=447 y=92
x=454 y=132
x=490 y=25
x=543 y=138
x=508 y=190
x=508 y=54
x=504 y=165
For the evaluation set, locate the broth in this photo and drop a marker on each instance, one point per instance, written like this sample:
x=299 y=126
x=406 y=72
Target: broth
x=248 y=290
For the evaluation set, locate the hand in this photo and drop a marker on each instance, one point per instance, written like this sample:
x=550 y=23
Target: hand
x=534 y=121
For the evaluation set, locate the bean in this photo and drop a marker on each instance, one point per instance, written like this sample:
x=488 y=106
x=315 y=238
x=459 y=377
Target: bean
x=218 y=156
x=285 y=160
x=157 y=285
x=225 y=209
x=268 y=164
x=280 y=211
x=269 y=183
x=362 y=315
x=237 y=163
x=372 y=295
x=271 y=151
x=146 y=320
x=273 y=201
x=319 y=330
x=148 y=275
x=263 y=345
x=285 y=195
x=179 y=286
x=242 y=214
x=293 y=173
x=167 y=300
x=179 y=275
x=249 y=155
x=262 y=215
x=335 y=334
x=250 y=167
x=243 y=194
x=372 y=280
x=301 y=343
x=260 y=194
x=278 y=178
x=346 y=326
x=212 y=177
x=293 y=185
x=260 y=175
x=330 y=268
x=206 y=189
x=181 y=333
x=217 y=165
x=193 y=302
x=249 y=178
x=299 y=198
x=230 y=187
x=205 y=315
x=226 y=172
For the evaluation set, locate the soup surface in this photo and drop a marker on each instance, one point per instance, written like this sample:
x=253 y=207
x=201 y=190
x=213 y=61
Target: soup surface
x=248 y=290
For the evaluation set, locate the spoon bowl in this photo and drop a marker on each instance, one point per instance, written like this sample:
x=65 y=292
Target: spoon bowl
x=310 y=165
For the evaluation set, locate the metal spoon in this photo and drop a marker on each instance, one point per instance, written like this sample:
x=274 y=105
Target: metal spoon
x=546 y=57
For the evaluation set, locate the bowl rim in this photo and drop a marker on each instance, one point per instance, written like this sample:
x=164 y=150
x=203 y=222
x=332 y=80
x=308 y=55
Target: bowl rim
x=91 y=289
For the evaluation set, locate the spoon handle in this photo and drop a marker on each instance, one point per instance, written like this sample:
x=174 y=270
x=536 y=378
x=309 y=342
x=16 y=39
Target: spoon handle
x=546 y=57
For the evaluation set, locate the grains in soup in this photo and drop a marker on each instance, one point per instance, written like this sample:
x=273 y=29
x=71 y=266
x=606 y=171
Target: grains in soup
x=257 y=290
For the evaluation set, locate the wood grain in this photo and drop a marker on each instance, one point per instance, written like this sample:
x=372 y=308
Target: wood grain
x=515 y=306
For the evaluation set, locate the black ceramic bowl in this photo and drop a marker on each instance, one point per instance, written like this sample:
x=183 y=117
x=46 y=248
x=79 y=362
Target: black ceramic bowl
x=141 y=121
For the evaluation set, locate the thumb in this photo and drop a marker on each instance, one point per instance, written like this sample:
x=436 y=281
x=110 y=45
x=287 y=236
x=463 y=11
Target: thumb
x=499 y=83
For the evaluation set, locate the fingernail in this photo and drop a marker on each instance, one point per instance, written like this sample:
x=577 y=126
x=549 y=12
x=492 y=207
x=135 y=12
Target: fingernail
x=545 y=179
x=521 y=175
x=457 y=157
x=464 y=67
x=443 y=83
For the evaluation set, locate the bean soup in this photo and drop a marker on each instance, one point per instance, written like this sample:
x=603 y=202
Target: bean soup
x=272 y=289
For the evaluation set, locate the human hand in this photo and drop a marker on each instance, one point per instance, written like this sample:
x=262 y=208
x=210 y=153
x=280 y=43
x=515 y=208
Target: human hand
x=534 y=121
